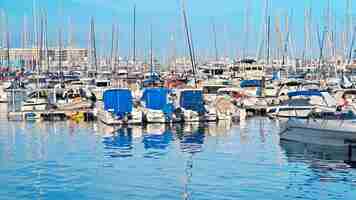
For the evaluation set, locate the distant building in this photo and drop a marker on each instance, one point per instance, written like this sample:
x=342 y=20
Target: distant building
x=28 y=57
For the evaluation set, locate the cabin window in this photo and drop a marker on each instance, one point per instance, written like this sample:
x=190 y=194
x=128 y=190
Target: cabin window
x=211 y=89
x=102 y=84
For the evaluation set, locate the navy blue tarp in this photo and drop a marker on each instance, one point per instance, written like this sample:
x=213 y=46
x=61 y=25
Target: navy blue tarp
x=118 y=100
x=192 y=100
x=250 y=83
x=155 y=98
x=305 y=93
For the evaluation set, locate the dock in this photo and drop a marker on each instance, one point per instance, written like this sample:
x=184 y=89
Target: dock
x=51 y=115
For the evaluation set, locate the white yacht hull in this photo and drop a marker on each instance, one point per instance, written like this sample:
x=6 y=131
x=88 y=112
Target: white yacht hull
x=319 y=131
x=108 y=118
x=74 y=105
x=34 y=107
x=191 y=116
x=154 y=116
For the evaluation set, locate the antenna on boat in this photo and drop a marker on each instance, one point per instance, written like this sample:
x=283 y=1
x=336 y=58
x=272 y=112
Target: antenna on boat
x=189 y=41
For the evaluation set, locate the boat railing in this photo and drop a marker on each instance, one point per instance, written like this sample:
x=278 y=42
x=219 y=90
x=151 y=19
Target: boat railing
x=351 y=146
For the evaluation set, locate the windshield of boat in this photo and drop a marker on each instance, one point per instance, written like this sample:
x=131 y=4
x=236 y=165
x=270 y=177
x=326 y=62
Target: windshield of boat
x=296 y=102
x=212 y=89
x=102 y=84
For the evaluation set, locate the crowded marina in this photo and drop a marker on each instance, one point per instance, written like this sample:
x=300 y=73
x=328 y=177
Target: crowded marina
x=283 y=102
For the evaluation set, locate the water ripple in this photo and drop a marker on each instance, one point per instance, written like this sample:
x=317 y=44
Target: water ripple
x=172 y=162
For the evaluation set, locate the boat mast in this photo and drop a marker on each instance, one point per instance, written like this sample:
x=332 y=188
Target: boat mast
x=34 y=15
x=7 y=32
x=93 y=46
x=215 y=40
x=117 y=52
x=134 y=36
x=189 y=42
x=60 y=68
x=352 y=46
x=348 y=26
x=268 y=39
x=247 y=29
x=174 y=51
x=112 y=47
x=307 y=37
x=39 y=47
x=151 y=51
x=70 y=42
x=60 y=43
x=46 y=40
x=321 y=40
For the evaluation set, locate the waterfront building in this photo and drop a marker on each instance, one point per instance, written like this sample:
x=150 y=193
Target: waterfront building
x=29 y=57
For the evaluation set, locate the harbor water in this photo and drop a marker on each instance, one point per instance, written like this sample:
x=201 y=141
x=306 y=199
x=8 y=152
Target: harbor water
x=66 y=160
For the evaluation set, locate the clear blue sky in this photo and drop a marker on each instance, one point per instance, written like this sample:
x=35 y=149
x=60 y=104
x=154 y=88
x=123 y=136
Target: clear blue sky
x=164 y=15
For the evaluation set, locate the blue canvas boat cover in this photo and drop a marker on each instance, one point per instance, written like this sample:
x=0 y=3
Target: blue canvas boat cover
x=155 y=98
x=118 y=100
x=305 y=93
x=250 y=83
x=276 y=75
x=192 y=100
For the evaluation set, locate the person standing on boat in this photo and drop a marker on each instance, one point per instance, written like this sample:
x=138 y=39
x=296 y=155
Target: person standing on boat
x=343 y=103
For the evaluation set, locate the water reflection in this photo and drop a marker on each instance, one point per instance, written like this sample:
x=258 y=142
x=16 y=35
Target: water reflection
x=156 y=140
x=119 y=144
x=191 y=138
x=222 y=128
x=326 y=163
x=297 y=151
x=89 y=161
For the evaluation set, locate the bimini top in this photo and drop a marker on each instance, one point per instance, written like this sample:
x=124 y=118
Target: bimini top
x=250 y=83
x=305 y=93
x=192 y=100
x=155 y=98
x=118 y=100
